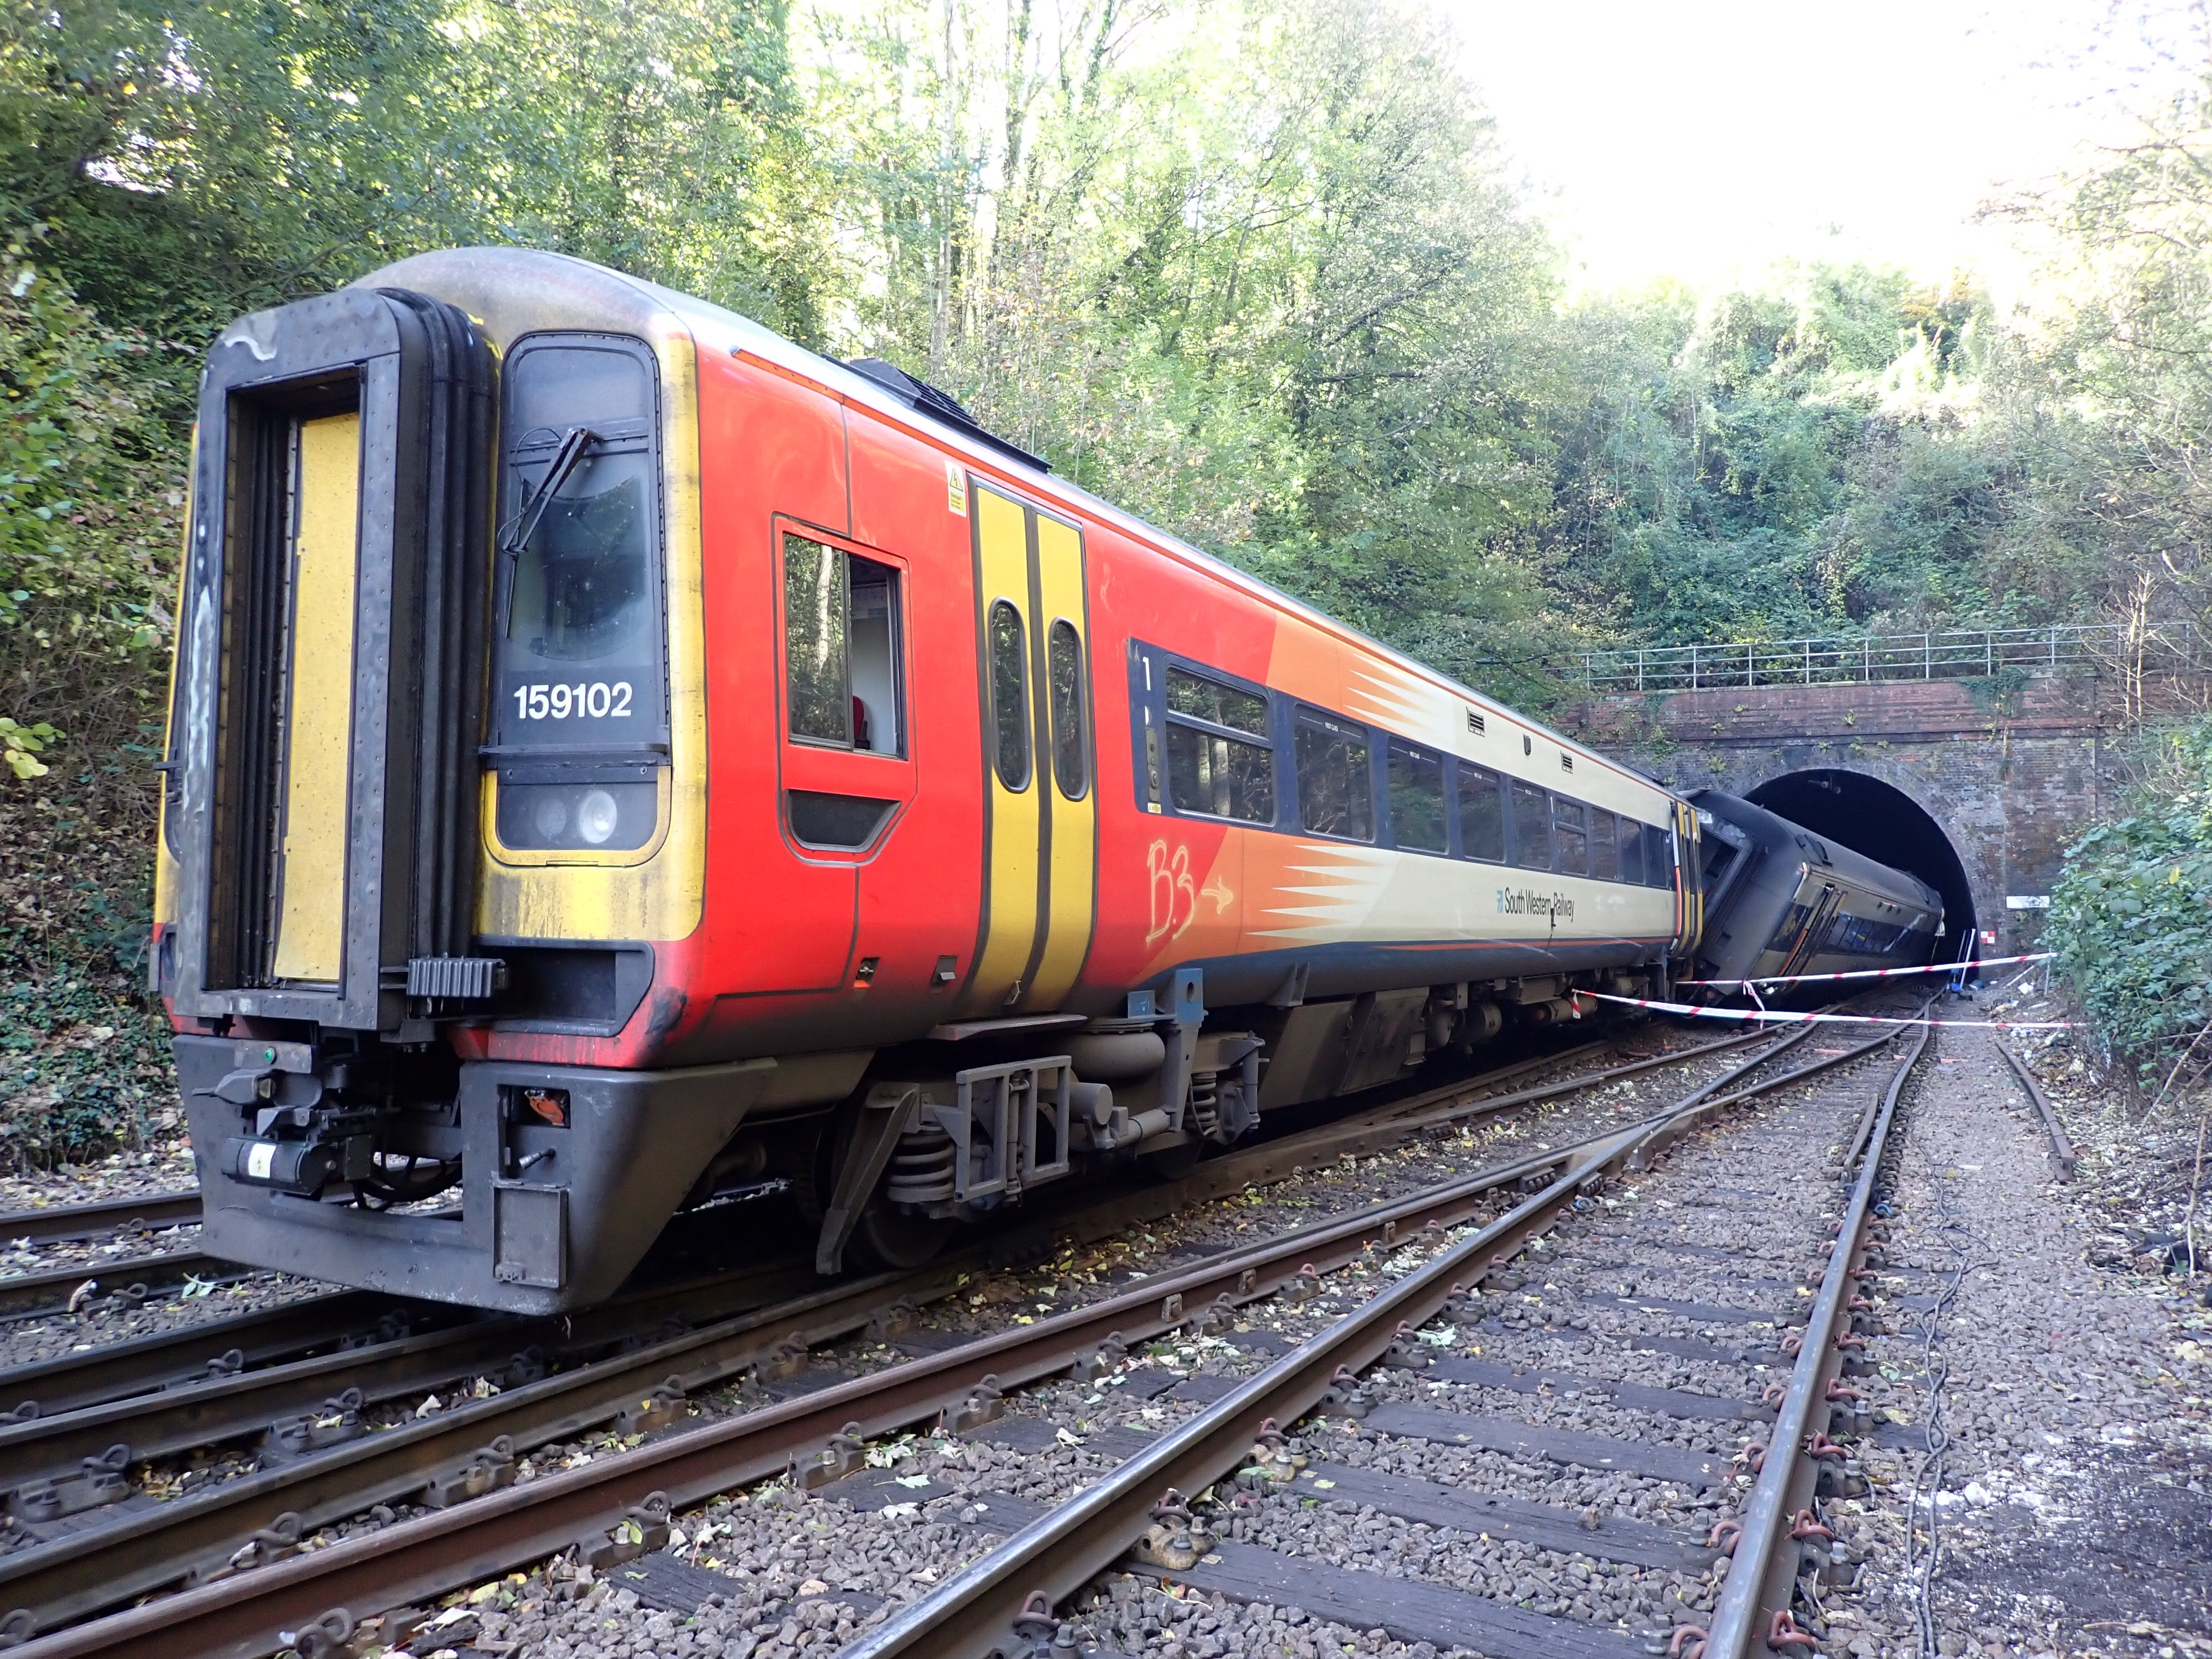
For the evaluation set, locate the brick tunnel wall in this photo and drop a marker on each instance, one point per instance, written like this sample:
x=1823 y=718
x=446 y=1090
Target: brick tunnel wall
x=2010 y=774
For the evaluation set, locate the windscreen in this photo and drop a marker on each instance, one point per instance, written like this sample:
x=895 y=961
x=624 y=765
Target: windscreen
x=581 y=725
x=581 y=638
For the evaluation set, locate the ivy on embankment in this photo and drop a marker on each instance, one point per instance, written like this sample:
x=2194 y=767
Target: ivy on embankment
x=2131 y=917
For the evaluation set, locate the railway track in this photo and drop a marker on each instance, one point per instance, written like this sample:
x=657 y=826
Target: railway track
x=257 y=1519
x=349 y=1321
x=130 y=1280
x=1134 y=1516
x=60 y=1223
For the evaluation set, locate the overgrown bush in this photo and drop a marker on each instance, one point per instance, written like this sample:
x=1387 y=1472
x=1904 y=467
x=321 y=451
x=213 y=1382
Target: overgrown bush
x=91 y=508
x=2132 y=916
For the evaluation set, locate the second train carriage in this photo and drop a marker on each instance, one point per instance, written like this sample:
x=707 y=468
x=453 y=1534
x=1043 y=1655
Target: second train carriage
x=617 y=755
x=1781 y=901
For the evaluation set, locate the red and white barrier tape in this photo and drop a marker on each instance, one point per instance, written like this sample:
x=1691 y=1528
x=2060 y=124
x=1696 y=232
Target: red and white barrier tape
x=1776 y=1016
x=1866 y=973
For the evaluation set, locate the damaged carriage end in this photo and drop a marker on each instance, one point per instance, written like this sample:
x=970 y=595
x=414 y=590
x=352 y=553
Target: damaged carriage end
x=332 y=866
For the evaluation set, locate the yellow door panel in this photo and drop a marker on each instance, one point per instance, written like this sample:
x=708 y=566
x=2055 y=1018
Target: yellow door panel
x=1014 y=824
x=1071 y=803
x=311 y=910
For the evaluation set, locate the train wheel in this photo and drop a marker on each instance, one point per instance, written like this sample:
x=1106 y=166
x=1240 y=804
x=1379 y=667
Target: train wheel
x=1173 y=1163
x=887 y=1238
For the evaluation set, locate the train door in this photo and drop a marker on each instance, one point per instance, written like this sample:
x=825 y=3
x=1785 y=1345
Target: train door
x=1815 y=931
x=1040 y=827
x=1689 y=890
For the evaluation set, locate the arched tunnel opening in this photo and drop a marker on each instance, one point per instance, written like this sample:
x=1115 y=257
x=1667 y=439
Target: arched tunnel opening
x=1884 y=823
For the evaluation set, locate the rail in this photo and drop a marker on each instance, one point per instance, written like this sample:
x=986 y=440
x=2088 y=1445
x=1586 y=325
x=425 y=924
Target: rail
x=297 y=1598
x=142 y=1213
x=51 y=1586
x=1965 y=654
x=968 y=1615
x=2064 y=1158
x=1753 y=1613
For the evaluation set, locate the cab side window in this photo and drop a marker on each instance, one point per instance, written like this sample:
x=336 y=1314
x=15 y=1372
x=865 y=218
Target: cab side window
x=842 y=675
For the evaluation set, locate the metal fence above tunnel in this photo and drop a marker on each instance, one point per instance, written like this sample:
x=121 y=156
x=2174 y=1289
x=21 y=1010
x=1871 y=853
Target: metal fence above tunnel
x=1968 y=653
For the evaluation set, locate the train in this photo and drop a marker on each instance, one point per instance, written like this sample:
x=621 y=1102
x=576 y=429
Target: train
x=619 y=761
x=1781 y=901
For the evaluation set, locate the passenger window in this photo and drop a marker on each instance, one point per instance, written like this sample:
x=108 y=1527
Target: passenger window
x=1217 y=704
x=1218 y=761
x=1532 y=827
x=1336 y=793
x=1416 y=798
x=1010 y=695
x=1793 y=924
x=1071 y=762
x=1658 y=858
x=1632 y=851
x=1605 y=846
x=1482 y=815
x=840 y=647
x=1571 y=840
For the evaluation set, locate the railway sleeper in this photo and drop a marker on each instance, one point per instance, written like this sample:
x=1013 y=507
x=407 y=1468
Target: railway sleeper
x=983 y=1403
x=274 y=1542
x=666 y=1407
x=846 y=1452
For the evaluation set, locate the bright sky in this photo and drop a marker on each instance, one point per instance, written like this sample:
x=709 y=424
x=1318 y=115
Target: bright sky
x=1705 y=138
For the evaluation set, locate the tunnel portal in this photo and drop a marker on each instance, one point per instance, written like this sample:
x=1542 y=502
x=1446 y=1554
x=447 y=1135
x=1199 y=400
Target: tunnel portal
x=1885 y=824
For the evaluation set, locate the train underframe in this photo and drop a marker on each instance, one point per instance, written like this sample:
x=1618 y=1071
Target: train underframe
x=538 y=1187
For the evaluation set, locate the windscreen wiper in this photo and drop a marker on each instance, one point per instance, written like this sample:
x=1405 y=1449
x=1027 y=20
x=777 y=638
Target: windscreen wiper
x=524 y=525
x=516 y=534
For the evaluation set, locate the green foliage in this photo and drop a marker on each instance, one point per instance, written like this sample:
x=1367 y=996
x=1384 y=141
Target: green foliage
x=90 y=510
x=1250 y=271
x=2131 y=917
x=1775 y=462
x=21 y=745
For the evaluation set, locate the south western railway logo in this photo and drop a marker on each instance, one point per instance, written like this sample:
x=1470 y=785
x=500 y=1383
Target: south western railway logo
x=1526 y=901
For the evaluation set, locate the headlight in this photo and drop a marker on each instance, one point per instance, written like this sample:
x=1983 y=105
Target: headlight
x=551 y=816
x=596 y=816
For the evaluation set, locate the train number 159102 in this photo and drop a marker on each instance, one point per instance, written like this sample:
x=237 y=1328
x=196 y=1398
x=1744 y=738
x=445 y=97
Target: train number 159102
x=595 y=700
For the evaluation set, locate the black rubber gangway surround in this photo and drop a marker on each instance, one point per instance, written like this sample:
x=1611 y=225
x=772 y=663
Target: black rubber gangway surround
x=419 y=1558
x=418 y=374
